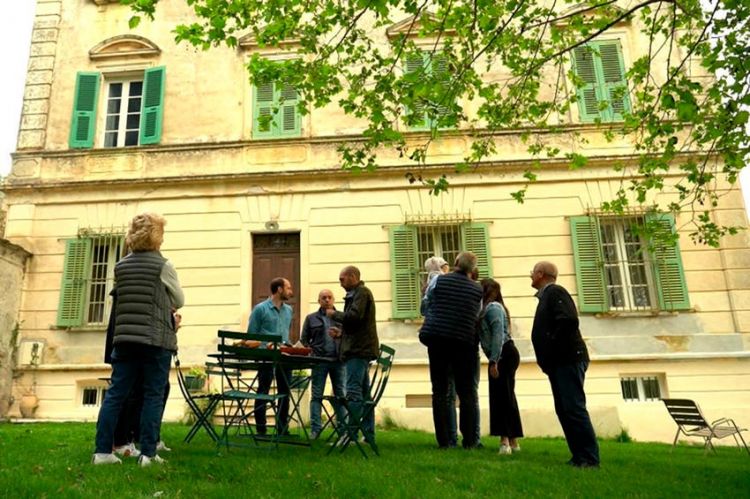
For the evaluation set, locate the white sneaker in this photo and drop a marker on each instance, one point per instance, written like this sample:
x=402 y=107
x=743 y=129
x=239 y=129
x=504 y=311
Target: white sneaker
x=505 y=449
x=515 y=449
x=144 y=460
x=160 y=445
x=128 y=450
x=103 y=458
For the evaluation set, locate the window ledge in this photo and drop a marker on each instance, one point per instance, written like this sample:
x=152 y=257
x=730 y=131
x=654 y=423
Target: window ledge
x=640 y=313
x=80 y=329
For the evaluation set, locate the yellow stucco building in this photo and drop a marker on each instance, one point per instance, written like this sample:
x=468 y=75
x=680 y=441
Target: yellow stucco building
x=116 y=122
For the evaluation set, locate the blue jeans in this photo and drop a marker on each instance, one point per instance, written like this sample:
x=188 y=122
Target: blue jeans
x=358 y=390
x=129 y=361
x=570 y=405
x=319 y=373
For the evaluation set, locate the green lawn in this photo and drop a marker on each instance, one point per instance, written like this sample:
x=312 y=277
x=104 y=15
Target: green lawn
x=52 y=460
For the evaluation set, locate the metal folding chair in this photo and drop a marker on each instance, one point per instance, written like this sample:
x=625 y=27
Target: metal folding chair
x=203 y=411
x=691 y=423
x=346 y=432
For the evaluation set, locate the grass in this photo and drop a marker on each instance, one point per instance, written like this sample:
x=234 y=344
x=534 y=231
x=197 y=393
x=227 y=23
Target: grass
x=52 y=460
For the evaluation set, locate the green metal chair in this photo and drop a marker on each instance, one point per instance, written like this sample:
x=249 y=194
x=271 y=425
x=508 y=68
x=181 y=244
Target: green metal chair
x=346 y=432
x=241 y=392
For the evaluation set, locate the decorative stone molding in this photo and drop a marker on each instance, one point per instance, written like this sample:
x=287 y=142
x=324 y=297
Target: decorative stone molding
x=32 y=133
x=410 y=27
x=124 y=47
x=250 y=42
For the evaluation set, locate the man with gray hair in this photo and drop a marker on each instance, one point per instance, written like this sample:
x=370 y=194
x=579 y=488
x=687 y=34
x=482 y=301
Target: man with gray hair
x=562 y=355
x=449 y=332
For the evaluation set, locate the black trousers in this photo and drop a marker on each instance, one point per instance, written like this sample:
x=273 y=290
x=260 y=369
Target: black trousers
x=570 y=406
x=265 y=378
x=505 y=419
x=454 y=364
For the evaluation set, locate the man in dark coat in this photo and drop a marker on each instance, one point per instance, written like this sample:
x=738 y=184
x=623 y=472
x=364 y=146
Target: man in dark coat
x=359 y=341
x=562 y=355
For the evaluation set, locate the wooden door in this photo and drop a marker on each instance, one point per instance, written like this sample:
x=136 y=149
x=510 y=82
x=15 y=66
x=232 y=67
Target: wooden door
x=277 y=255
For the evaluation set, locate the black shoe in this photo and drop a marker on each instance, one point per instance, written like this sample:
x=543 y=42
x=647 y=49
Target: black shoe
x=583 y=464
x=477 y=445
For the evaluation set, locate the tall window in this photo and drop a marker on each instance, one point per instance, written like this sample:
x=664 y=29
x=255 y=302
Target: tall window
x=275 y=112
x=617 y=270
x=602 y=87
x=429 y=72
x=412 y=243
x=629 y=282
x=123 y=113
x=88 y=277
x=133 y=110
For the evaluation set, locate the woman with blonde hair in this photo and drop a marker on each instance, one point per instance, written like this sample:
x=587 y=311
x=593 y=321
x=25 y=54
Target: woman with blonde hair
x=144 y=338
x=494 y=335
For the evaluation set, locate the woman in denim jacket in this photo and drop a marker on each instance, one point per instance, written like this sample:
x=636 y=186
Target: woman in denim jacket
x=494 y=335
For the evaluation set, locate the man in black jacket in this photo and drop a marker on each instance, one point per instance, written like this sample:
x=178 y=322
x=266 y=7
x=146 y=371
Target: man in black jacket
x=562 y=355
x=359 y=341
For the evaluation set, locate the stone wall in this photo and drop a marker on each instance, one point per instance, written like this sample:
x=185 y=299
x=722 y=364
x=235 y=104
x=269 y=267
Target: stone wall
x=12 y=269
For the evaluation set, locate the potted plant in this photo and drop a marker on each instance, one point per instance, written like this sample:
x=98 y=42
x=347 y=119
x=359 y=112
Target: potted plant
x=29 y=400
x=195 y=379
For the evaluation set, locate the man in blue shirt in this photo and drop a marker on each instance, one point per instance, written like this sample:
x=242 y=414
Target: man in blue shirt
x=273 y=316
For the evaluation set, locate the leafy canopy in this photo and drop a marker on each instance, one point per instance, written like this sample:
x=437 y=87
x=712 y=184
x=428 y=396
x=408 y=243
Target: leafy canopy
x=512 y=60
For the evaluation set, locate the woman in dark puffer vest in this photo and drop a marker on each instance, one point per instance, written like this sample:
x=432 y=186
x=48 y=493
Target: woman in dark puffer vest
x=148 y=293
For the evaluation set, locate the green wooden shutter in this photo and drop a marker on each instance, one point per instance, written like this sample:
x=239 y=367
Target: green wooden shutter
x=476 y=239
x=670 y=275
x=614 y=85
x=405 y=292
x=439 y=68
x=263 y=104
x=152 y=107
x=288 y=115
x=414 y=63
x=585 y=68
x=73 y=287
x=589 y=264
x=83 y=122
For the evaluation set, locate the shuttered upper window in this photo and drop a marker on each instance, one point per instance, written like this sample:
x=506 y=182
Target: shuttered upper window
x=275 y=111
x=412 y=244
x=88 y=278
x=602 y=90
x=133 y=113
x=433 y=102
x=617 y=270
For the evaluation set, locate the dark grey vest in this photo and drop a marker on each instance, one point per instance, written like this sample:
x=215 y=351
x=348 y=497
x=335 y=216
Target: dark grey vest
x=454 y=307
x=144 y=311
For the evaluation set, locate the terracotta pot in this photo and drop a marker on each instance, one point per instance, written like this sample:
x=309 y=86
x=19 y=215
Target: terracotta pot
x=28 y=405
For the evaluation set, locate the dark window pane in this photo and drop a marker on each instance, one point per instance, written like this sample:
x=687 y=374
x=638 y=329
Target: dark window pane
x=115 y=89
x=629 y=388
x=113 y=122
x=136 y=88
x=131 y=138
x=133 y=121
x=113 y=106
x=134 y=105
x=651 y=389
x=110 y=139
x=89 y=396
